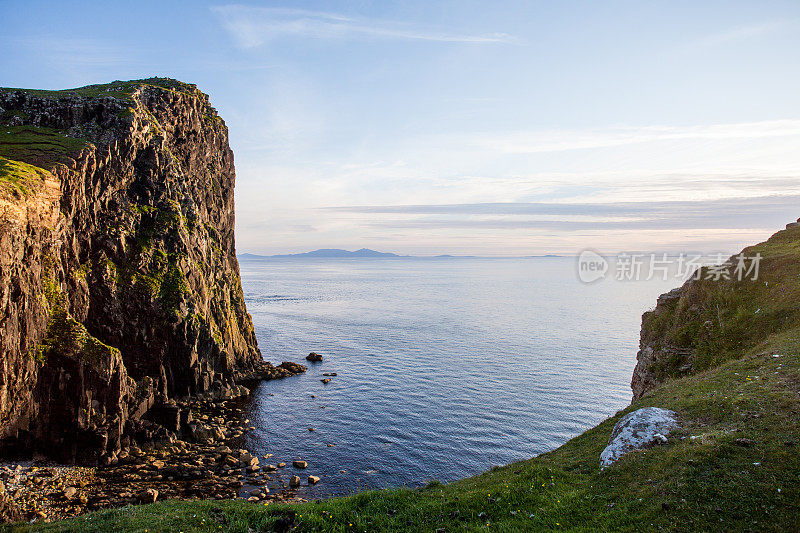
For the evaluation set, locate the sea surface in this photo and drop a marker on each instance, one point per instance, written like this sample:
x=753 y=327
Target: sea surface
x=445 y=366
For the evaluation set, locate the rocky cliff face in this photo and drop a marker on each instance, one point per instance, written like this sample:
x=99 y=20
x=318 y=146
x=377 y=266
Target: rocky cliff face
x=718 y=317
x=119 y=285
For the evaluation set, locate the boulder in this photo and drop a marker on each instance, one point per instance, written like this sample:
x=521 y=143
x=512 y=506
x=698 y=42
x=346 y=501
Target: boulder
x=147 y=496
x=294 y=481
x=299 y=464
x=9 y=511
x=313 y=480
x=314 y=357
x=642 y=428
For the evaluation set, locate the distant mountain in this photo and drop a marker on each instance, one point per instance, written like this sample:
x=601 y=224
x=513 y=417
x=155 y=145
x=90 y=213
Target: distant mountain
x=327 y=253
x=338 y=253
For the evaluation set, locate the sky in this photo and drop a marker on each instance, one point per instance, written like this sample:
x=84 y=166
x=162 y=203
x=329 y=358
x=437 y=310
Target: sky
x=466 y=127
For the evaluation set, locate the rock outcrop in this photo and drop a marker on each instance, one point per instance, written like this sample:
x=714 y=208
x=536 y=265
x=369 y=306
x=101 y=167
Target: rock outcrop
x=654 y=348
x=119 y=284
x=640 y=429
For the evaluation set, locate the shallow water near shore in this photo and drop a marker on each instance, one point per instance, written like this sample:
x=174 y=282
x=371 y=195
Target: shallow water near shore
x=445 y=366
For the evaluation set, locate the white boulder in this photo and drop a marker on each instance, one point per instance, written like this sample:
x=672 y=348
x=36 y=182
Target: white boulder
x=640 y=429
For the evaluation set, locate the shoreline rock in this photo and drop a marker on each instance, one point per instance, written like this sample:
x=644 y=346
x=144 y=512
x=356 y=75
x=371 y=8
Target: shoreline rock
x=200 y=467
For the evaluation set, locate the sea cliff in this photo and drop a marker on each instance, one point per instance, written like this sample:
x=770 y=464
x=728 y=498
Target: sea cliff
x=119 y=284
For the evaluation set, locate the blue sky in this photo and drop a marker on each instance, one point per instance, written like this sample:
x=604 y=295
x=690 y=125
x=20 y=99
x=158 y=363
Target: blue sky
x=492 y=128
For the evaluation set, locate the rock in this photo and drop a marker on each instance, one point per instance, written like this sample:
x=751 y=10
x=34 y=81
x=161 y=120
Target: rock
x=294 y=481
x=331 y=374
x=70 y=493
x=288 y=368
x=314 y=357
x=248 y=460
x=9 y=510
x=147 y=496
x=326 y=380
x=642 y=428
x=281 y=465
x=313 y=480
x=300 y=464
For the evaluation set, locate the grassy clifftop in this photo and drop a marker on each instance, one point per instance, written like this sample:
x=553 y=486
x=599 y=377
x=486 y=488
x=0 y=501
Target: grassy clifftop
x=116 y=89
x=44 y=147
x=714 y=321
x=733 y=465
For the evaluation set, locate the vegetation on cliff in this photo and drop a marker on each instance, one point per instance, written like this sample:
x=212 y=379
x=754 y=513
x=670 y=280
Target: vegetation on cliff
x=733 y=464
x=708 y=322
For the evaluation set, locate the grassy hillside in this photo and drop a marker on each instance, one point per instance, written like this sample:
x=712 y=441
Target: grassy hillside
x=734 y=464
x=715 y=321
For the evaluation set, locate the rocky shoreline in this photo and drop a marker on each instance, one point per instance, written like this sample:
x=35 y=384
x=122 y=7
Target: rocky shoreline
x=202 y=461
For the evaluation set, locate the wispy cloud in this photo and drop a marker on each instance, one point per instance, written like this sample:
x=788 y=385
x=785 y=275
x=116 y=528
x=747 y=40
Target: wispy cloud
x=741 y=33
x=77 y=52
x=254 y=26
x=765 y=211
x=563 y=140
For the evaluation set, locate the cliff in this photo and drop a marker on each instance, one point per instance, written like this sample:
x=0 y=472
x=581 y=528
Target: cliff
x=119 y=284
x=709 y=321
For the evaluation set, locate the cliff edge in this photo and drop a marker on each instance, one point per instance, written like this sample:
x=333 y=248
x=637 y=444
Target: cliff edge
x=119 y=284
x=715 y=318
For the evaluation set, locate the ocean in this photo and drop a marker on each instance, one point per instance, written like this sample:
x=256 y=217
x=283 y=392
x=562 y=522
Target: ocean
x=445 y=366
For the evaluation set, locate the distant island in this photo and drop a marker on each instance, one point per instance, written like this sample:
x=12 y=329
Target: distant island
x=365 y=253
x=327 y=253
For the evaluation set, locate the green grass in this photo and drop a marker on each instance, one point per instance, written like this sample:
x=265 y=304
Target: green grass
x=714 y=322
x=122 y=90
x=20 y=179
x=704 y=479
x=46 y=147
x=66 y=337
x=42 y=147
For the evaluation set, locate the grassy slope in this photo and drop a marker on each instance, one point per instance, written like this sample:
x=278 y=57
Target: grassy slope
x=701 y=480
x=716 y=321
x=18 y=179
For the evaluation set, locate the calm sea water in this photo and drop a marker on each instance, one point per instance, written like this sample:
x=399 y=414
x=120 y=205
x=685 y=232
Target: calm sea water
x=445 y=367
